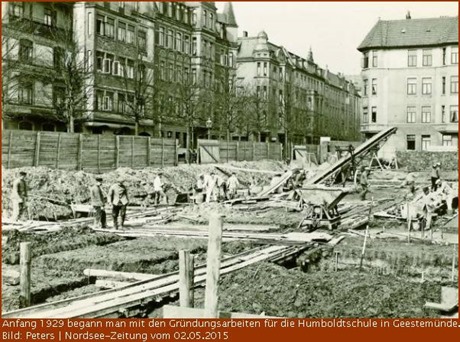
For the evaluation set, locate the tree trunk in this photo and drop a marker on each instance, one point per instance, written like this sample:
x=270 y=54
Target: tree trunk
x=259 y=136
x=136 y=128
x=71 y=125
x=187 y=145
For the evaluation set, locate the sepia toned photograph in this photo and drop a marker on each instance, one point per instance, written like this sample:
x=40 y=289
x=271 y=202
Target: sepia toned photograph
x=229 y=160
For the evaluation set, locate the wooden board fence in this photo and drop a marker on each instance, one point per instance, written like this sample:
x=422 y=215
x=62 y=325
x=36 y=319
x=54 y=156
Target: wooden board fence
x=88 y=152
x=240 y=151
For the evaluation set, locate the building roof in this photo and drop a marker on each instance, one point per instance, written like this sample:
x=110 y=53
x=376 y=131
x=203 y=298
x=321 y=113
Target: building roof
x=412 y=32
x=230 y=15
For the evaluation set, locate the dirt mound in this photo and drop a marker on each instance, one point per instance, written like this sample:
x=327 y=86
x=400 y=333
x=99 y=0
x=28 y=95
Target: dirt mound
x=289 y=293
x=51 y=192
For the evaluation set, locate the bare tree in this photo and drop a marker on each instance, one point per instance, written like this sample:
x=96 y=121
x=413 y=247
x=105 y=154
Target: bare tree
x=256 y=112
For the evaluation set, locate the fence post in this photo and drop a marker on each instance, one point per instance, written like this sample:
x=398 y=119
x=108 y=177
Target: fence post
x=37 y=150
x=58 y=148
x=98 y=153
x=227 y=149
x=149 y=141
x=213 y=266
x=132 y=152
x=268 y=151
x=24 y=260
x=117 y=152
x=80 y=152
x=162 y=152
x=253 y=151
x=185 y=278
x=9 y=149
x=237 y=150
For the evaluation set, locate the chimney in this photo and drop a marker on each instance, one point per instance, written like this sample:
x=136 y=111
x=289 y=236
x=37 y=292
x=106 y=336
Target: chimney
x=245 y=33
x=408 y=15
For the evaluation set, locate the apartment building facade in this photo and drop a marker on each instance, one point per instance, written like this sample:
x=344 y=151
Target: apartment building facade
x=299 y=101
x=410 y=81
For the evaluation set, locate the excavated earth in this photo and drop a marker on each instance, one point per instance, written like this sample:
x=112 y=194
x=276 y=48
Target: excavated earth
x=396 y=280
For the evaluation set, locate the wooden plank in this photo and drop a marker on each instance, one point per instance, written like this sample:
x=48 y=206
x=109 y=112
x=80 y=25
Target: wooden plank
x=25 y=260
x=213 y=266
x=89 y=272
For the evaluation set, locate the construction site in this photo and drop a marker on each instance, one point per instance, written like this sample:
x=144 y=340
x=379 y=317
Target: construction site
x=297 y=240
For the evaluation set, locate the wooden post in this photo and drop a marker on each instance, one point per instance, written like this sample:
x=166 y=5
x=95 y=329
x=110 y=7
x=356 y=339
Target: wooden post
x=80 y=152
x=149 y=142
x=9 y=149
x=98 y=153
x=454 y=255
x=37 y=150
x=268 y=151
x=58 y=148
x=364 y=249
x=213 y=266
x=117 y=151
x=336 y=267
x=227 y=151
x=253 y=151
x=408 y=222
x=191 y=279
x=185 y=279
x=132 y=152
x=162 y=152
x=25 y=258
x=237 y=151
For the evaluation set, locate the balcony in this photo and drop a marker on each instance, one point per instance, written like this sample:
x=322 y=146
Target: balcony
x=372 y=127
x=447 y=128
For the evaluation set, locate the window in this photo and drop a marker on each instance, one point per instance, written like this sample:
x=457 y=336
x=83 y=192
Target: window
x=446 y=140
x=107 y=64
x=265 y=69
x=426 y=142
x=454 y=114
x=426 y=114
x=444 y=51
x=58 y=58
x=365 y=85
x=108 y=102
x=129 y=69
x=171 y=72
x=110 y=28
x=121 y=103
x=16 y=9
x=374 y=59
x=427 y=57
x=211 y=20
x=130 y=35
x=374 y=86
x=443 y=85
x=169 y=39
x=230 y=59
x=25 y=93
x=58 y=96
x=121 y=66
x=411 y=86
x=116 y=68
x=121 y=32
x=366 y=60
x=454 y=84
x=411 y=114
x=194 y=80
x=25 y=125
x=186 y=48
x=49 y=17
x=454 y=55
x=25 y=50
x=259 y=70
x=162 y=71
x=178 y=41
x=410 y=138
x=100 y=25
x=264 y=94
x=194 y=46
x=443 y=114
x=426 y=86
x=374 y=114
x=160 y=39
x=47 y=127
x=205 y=17
x=412 y=58
x=142 y=40
x=365 y=115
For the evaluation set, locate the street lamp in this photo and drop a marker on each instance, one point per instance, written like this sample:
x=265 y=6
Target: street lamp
x=208 y=126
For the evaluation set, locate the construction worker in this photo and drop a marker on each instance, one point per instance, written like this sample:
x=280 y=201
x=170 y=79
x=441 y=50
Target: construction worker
x=97 y=202
x=158 y=193
x=232 y=186
x=210 y=187
x=429 y=206
x=198 y=190
x=435 y=175
x=118 y=198
x=364 y=183
x=19 y=196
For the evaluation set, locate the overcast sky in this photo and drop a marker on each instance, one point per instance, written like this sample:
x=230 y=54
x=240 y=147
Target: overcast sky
x=333 y=29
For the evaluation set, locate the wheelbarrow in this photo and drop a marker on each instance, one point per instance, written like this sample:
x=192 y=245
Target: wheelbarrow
x=321 y=202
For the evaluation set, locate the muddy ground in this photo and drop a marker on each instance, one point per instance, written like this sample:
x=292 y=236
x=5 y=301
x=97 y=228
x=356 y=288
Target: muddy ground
x=396 y=279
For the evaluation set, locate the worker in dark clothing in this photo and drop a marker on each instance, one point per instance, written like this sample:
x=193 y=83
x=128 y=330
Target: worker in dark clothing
x=118 y=198
x=364 y=183
x=19 y=196
x=98 y=202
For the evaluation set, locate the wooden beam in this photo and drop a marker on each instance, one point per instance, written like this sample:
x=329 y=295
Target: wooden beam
x=185 y=283
x=58 y=150
x=37 y=150
x=90 y=272
x=213 y=266
x=25 y=260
